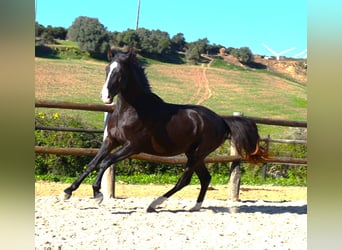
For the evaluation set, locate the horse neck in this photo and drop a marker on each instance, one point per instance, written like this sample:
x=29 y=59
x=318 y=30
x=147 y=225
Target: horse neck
x=121 y=104
x=136 y=87
x=143 y=101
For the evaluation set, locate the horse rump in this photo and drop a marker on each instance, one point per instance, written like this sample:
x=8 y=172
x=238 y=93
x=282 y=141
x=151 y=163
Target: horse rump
x=245 y=137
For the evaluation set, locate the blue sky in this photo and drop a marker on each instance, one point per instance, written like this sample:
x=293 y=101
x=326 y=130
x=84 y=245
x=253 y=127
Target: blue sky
x=278 y=24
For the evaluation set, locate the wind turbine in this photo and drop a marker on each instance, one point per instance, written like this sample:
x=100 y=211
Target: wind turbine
x=277 y=54
x=304 y=52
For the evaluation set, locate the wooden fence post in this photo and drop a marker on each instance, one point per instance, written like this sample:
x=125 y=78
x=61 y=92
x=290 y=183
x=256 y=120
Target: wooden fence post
x=108 y=178
x=234 y=176
x=264 y=166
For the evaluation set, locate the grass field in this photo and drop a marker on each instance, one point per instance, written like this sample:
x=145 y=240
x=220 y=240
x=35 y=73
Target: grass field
x=255 y=93
x=223 y=88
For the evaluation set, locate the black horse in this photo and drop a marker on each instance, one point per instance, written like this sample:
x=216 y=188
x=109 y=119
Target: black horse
x=143 y=122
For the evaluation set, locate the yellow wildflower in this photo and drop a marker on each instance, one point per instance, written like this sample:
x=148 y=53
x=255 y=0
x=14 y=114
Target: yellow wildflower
x=41 y=115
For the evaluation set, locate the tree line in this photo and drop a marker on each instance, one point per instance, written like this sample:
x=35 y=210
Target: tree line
x=93 y=37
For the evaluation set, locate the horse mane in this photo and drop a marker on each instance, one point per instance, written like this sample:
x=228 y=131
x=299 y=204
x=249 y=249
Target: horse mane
x=141 y=75
x=131 y=60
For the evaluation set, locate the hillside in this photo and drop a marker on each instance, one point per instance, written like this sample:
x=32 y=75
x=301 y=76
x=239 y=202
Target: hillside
x=291 y=68
x=255 y=93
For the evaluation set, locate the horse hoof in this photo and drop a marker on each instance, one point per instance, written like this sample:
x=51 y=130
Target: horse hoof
x=196 y=208
x=151 y=210
x=65 y=196
x=99 y=198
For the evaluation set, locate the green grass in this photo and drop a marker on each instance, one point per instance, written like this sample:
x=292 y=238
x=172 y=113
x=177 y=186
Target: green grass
x=221 y=64
x=67 y=43
x=255 y=93
x=217 y=179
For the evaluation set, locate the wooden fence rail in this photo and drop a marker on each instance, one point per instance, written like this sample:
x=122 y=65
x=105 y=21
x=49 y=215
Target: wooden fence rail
x=234 y=180
x=175 y=160
x=162 y=159
x=74 y=105
x=111 y=107
x=87 y=130
x=66 y=129
x=158 y=159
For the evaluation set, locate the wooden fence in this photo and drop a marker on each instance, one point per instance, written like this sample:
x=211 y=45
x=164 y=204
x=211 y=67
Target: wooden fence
x=158 y=159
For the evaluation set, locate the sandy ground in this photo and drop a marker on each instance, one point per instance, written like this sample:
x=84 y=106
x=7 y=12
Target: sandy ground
x=266 y=218
x=266 y=192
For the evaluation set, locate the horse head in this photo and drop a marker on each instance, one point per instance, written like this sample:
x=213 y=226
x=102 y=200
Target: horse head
x=116 y=75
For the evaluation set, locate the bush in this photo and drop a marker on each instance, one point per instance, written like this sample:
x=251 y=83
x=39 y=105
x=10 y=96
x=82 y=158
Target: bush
x=45 y=51
x=58 y=167
x=243 y=54
x=62 y=164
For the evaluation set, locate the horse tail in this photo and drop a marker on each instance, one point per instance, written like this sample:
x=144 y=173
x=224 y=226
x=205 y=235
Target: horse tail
x=245 y=137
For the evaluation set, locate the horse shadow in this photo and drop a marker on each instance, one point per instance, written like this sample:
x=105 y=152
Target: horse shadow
x=259 y=208
x=300 y=210
x=247 y=206
x=124 y=212
x=249 y=209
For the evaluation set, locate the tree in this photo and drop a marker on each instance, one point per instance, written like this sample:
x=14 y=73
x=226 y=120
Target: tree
x=193 y=54
x=195 y=49
x=39 y=29
x=154 y=41
x=245 y=55
x=178 y=42
x=214 y=49
x=162 y=42
x=128 y=38
x=59 y=33
x=90 y=35
x=202 y=45
x=230 y=50
x=54 y=33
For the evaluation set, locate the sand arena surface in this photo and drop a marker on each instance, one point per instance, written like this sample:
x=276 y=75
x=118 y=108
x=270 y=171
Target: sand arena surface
x=265 y=192
x=123 y=223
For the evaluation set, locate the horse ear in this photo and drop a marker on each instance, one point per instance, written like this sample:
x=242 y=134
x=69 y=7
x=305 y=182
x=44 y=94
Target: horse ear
x=131 y=53
x=109 y=54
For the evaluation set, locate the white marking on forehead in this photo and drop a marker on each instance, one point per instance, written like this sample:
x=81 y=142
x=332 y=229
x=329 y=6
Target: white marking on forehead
x=104 y=92
x=112 y=66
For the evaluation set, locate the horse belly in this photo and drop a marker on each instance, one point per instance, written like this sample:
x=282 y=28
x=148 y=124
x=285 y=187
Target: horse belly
x=162 y=149
x=178 y=138
x=170 y=144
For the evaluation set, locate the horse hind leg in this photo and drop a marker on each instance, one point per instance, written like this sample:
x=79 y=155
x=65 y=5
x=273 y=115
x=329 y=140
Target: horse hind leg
x=204 y=176
x=183 y=181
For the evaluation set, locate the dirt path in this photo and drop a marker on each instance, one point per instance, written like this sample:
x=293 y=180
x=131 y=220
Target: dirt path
x=203 y=91
x=268 y=193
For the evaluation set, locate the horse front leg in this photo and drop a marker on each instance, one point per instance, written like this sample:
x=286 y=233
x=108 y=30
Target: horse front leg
x=104 y=150
x=119 y=155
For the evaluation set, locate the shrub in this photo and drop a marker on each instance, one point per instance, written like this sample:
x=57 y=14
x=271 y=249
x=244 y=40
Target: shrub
x=62 y=164
x=45 y=51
